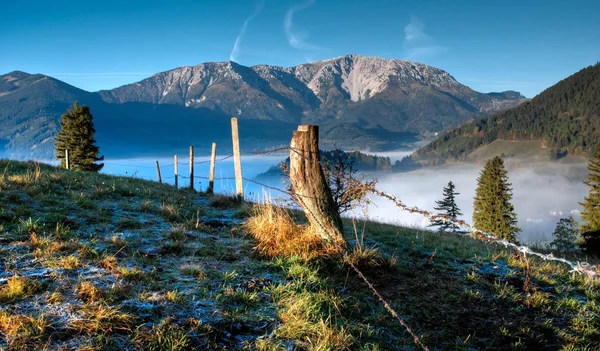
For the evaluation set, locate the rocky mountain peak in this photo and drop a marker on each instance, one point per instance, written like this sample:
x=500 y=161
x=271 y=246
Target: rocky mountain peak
x=362 y=77
x=359 y=101
x=328 y=88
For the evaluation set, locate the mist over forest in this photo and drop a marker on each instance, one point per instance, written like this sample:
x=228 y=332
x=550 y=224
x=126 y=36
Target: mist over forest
x=542 y=193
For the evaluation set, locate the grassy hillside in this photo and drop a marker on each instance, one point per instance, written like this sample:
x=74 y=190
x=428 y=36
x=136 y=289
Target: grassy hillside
x=97 y=262
x=525 y=151
x=564 y=117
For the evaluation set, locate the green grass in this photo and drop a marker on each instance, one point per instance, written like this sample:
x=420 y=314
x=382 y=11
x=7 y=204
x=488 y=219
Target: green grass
x=129 y=264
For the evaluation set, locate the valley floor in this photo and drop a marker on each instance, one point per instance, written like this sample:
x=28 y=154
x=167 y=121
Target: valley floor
x=96 y=262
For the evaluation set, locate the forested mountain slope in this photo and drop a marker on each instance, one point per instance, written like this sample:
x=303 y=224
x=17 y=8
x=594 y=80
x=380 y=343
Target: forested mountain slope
x=565 y=117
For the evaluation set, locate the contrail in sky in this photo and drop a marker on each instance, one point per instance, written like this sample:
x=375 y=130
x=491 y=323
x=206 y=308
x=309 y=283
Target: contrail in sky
x=295 y=39
x=236 y=45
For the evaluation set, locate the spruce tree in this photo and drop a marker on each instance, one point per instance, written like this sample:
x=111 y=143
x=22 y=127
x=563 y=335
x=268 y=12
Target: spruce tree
x=565 y=235
x=591 y=205
x=77 y=136
x=492 y=210
x=447 y=207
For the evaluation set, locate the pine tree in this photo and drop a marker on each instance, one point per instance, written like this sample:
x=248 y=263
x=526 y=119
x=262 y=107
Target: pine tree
x=565 y=235
x=591 y=205
x=492 y=210
x=77 y=136
x=447 y=207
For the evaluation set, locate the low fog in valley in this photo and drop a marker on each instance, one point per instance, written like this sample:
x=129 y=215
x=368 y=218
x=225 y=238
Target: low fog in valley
x=543 y=192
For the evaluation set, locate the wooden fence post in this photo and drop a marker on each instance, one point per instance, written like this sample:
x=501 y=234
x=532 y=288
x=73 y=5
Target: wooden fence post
x=158 y=171
x=192 y=167
x=211 y=175
x=237 y=162
x=176 y=163
x=310 y=186
x=67 y=159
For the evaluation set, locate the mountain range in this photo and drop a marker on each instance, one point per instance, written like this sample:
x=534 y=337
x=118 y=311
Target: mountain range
x=359 y=102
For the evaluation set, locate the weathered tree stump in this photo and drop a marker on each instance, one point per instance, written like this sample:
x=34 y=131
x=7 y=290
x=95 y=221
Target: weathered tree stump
x=310 y=185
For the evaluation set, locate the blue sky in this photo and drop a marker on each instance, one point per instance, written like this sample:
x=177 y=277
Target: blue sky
x=487 y=45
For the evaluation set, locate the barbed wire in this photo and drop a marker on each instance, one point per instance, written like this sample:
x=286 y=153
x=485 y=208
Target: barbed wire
x=126 y=165
x=341 y=251
x=578 y=267
x=247 y=153
x=266 y=151
x=217 y=160
x=300 y=198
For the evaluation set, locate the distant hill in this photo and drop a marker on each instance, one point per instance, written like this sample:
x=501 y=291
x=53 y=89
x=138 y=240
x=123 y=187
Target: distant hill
x=30 y=106
x=564 y=118
x=359 y=102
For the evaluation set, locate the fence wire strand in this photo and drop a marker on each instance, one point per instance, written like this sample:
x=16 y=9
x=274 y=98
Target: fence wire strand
x=341 y=251
x=266 y=151
x=576 y=267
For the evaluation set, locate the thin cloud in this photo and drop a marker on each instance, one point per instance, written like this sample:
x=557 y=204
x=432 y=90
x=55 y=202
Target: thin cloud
x=235 y=51
x=298 y=39
x=414 y=32
x=417 y=43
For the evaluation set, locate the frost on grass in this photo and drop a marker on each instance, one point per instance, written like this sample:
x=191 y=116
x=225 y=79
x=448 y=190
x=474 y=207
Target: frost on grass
x=99 y=262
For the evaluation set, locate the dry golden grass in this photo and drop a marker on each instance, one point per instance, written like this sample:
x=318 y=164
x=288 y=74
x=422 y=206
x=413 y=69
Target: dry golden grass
x=118 y=241
x=173 y=296
x=54 y=298
x=279 y=236
x=31 y=177
x=366 y=257
x=302 y=319
x=360 y=255
x=23 y=332
x=170 y=212
x=88 y=292
x=101 y=319
x=109 y=262
x=15 y=288
x=44 y=246
x=70 y=262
